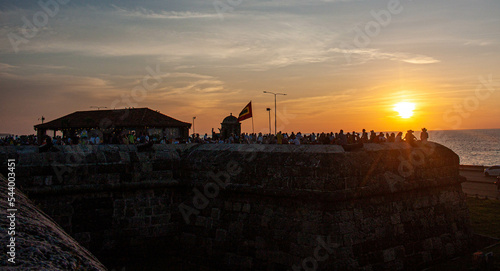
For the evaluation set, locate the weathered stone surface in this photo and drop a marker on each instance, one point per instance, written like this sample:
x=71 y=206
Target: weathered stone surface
x=40 y=244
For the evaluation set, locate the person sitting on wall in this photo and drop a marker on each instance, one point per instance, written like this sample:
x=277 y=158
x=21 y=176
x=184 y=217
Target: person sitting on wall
x=349 y=138
x=313 y=138
x=424 y=135
x=399 y=137
x=391 y=137
x=342 y=138
x=364 y=136
x=410 y=137
x=381 y=137
x=373 y=137
x=356 y=137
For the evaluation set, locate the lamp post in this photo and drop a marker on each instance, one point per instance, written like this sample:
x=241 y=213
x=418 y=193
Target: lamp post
x=193 y=127
x=275 y=132
x=269 y=110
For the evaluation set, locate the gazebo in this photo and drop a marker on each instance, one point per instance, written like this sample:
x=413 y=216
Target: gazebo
x=111 y=122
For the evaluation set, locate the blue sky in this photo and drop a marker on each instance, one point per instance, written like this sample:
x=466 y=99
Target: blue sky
x=343 y=64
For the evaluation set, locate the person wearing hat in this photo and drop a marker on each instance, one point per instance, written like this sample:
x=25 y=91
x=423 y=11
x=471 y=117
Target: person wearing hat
x=409 y=137
x=424 y=135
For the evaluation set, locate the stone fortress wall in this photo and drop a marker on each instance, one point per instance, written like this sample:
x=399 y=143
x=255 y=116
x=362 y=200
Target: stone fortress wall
x=260 y=207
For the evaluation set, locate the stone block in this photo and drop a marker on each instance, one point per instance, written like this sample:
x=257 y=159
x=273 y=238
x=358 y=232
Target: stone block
x=146 y=167
x=228 y=206
x=399 y=229
x=389 y=255
x=220 y=235
x=450 y=249
x=427 y=244
x=201 y=221
x=237 y=207
x=246 y=208
x=346 y=227
x=395 y=219
x=215 y=213
x=268 y=212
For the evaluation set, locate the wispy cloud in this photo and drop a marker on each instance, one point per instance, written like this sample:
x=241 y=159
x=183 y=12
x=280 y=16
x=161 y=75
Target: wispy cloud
x=48 y=67
x=419 y=59
x=366 y=54
x=5 y=67
x=479 y=42
x=151 y=14
x=191 y=83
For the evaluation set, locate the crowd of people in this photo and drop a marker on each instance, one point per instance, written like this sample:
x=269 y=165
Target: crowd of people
x=18 y=140
x=340 y=138
x=85 y=138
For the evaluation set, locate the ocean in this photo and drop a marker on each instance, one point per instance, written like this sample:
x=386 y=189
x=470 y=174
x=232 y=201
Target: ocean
x=475 y=147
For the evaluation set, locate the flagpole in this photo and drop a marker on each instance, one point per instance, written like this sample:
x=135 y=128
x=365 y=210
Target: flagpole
x=253 y=131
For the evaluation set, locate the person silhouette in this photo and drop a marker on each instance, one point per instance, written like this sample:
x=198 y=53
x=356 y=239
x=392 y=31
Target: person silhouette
x=364 y=136
x=373 y=137
x=342 y=138
x=410 y=137
x=424 y=135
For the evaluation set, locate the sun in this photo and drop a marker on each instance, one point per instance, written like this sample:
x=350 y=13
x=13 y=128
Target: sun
x=405 y=109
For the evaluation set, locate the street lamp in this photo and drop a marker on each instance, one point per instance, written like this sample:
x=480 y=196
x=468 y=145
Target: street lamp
x=274 y=107
x=193 y=127
x=269 y=110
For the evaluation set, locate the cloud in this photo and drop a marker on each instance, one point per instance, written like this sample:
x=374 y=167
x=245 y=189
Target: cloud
x=150 y=14
x=366 y=54
x=5 y=67
x=48 y=67
x=191 y=83
x=418 y=59
x=479 y=42
x=186 y=74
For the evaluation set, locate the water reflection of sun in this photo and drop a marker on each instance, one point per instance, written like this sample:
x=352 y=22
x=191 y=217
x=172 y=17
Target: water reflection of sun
x=405 y=109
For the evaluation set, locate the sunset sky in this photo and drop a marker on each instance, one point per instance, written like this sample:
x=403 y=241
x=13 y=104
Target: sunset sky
x=343 y=64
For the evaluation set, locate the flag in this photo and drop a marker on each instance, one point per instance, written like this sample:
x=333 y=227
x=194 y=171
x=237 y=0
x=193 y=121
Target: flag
x=246 y=112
